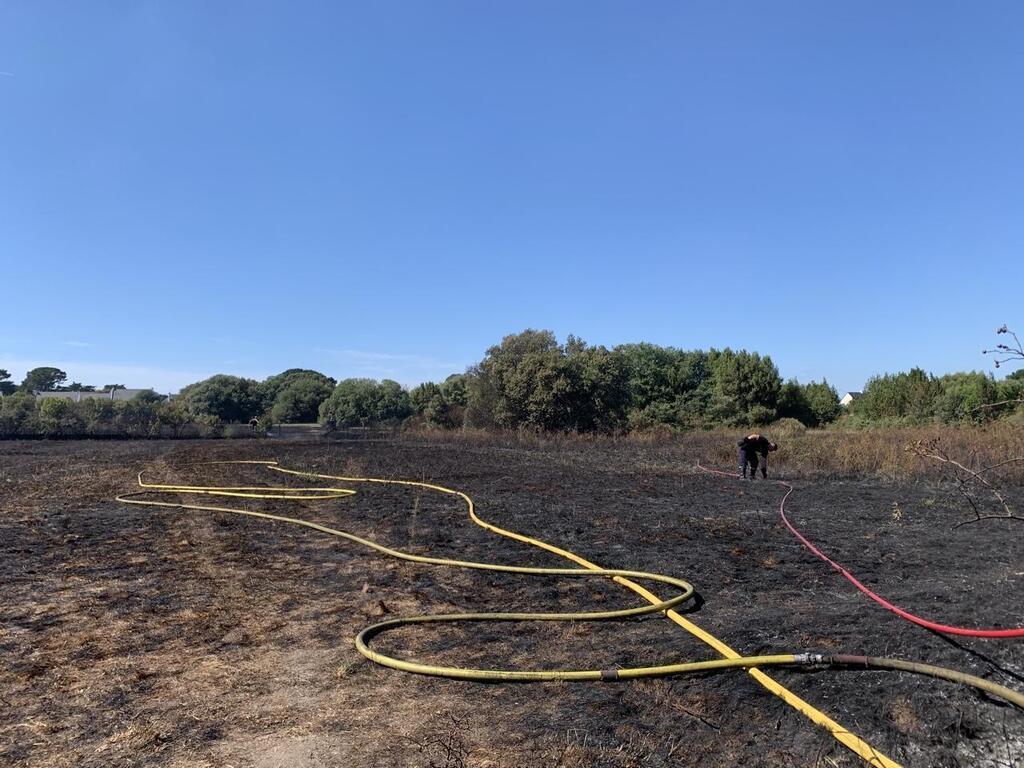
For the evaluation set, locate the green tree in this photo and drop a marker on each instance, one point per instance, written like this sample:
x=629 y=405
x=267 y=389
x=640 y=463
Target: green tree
x=962 y=398
x=174 y=415
x=745 y=387
x=455 y=390
x=907 y=398
x=393 y=402
x=149 y=396
x=272 y=385
x=298 y=402
x=100 y=416
x=421 y=396
x=1010 y=395
x=824 y=402
x=793 y=403
x=138 y=417
x=517 y=381
x=19 y=415
x=652 y=373
x=43 y=379
x=529 y=380
x=481 y=399
x=358 y=402
x=598 y=397
x=222 y=397
x=7 y=387
x=58 y=418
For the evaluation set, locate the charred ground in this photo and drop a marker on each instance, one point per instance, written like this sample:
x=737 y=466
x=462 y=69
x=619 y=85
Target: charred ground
x=144 y=636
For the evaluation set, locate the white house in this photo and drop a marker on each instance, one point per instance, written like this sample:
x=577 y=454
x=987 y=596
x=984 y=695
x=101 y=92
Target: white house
x=848 y=398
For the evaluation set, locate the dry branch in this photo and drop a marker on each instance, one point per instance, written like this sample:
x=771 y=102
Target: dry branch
x=1006 y=352
x=965 y=478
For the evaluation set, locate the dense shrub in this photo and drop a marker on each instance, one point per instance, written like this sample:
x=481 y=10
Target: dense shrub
x=19 y=416
x=26 y=416
x=746 y=387
x=271 y=387
x=531 y=381
x=223 y=397
x=358 y=402
x=917 y=398
x=421 y=396
x=813 y=405
x=694 y=389
x=901 y=398
x=455 y=391
x=299 y=401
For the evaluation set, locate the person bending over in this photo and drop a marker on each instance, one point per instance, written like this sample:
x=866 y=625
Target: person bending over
x=751 y=447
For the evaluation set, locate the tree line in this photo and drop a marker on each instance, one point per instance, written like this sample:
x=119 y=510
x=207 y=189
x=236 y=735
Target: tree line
x=528 y=381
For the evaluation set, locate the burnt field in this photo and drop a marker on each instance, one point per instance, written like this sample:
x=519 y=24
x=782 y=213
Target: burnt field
x=135 y=636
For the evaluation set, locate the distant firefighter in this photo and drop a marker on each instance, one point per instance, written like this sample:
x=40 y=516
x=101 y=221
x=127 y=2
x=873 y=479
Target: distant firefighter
x=751 y=447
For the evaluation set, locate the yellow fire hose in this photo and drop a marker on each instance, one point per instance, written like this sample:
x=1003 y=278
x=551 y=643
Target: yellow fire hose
x=731 y=660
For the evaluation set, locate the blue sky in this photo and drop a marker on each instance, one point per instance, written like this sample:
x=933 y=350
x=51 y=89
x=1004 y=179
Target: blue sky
x=386 y=189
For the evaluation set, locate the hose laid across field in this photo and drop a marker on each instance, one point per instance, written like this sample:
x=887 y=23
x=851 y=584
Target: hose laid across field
x=994 y=634
x=624 y=577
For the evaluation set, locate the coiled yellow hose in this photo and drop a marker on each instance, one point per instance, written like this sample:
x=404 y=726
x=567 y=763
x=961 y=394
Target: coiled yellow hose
x=731 y=660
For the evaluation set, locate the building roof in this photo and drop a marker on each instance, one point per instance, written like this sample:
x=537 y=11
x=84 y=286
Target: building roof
x=117 y=394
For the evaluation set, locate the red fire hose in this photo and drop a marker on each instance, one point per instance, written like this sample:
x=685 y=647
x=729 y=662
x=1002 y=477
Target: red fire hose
x=944 y=628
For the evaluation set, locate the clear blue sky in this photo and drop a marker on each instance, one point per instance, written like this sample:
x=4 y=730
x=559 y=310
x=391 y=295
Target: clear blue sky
x=386 y=189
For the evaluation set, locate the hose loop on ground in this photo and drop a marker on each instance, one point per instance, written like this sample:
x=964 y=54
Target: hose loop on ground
x=628 y=578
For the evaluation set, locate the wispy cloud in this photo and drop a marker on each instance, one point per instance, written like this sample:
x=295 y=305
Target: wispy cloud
x=7 y=74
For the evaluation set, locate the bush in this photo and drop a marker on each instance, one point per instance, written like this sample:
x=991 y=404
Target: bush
x=59 y=418
x=824 y=402
x=746 y=387
x=813 y=404
x=271 y=387
x=358 y=402
x=786 y=427
x=440 y=413
x=423 y=394
x=18 y=416
x=299 y=401
x=455 y=390
x=902 y=398
x=963 y=396
x=223 y=398
x=149 y=396
x=530 y=381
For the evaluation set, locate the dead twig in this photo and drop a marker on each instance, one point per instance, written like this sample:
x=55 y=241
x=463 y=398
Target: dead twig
x=1006 y=352
x=965 y=478
x=996 y=405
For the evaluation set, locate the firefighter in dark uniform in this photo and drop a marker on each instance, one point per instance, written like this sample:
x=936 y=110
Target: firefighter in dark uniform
x=751 y=448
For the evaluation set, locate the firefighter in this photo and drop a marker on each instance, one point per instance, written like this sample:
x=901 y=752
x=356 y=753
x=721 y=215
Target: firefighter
x=752 y=447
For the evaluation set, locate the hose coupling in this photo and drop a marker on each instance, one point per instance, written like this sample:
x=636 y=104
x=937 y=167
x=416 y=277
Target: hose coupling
x=810 y=659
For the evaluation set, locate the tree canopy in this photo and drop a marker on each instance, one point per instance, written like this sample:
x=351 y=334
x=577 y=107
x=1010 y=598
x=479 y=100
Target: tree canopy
x=43 y=379
x=223 y=397
x=359 y=402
